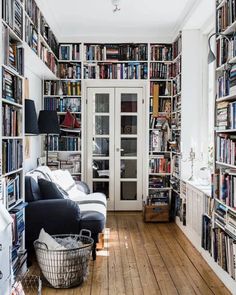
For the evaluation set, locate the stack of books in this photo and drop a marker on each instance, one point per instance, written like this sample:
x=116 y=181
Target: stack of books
x=206 y=233
x=160 y=71
x=161 y=52
x=160 y=164
x=11 y=118
x=12 y=189
x=69 y=71
x=64 y=143
x=158 y=141
x=11 y=87
x=223 y=85
x=62 y=104
x=12 y=151
x=157 y=182
x=67 y=88
x=226 y=151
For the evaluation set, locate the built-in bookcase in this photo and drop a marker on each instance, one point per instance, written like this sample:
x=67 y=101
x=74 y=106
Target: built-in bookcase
x=115 y=61
x=222 y=225
x=12 y=131
x=176 y=124
x=64 y=95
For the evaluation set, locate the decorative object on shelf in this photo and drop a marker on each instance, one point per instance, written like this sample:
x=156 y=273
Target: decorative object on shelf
x=48 y=124
x=204 y=176
x=211 y=55
x=192 y=157
x=70 y=121
x=116 y=4
x=31 y=121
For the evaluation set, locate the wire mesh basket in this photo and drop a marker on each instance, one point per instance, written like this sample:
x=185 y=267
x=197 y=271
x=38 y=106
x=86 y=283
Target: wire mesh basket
x=32 y=284
x=65 y=268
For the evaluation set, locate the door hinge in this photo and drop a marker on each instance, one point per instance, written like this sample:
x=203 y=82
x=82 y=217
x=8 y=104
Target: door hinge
x=86 y=101
x=142 y=100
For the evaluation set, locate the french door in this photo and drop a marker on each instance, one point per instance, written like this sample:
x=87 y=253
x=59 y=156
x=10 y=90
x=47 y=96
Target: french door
x=114 y=145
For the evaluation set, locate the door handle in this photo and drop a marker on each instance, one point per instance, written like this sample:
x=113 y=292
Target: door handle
x=1 y=275
x=118 y=150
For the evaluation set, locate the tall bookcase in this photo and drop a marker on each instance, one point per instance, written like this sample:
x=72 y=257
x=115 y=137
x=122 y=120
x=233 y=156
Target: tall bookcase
x=64 y=95
x=161 y=84
x=223 y=224
x=176 y=128
x=12 y=131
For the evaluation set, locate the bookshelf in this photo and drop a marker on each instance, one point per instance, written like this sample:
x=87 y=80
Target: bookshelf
x=115 y=61
x=159 y=187
x=61 y=95
x=222 y=225
x=12 y=131
x=176 y=126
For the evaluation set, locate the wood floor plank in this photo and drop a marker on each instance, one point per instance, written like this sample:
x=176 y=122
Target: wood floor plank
x=160 y=270
x=148 y=280
x=175 y=268
x=142 y=259
x=198 y=283
x=196 y=259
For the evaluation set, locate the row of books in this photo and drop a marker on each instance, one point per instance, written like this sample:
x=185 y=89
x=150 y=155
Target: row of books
x=176 y=121
x=176 y=166
x=32 y=10
x=64 y=143
x=223 y=51
x=31 y=35
x=224 y=186
x=12 y=14
x=223 y=84
x=225 y=16
x=115 y=52
x=160 y=71
x=176 y=67
x=206 y=233
x=226 y=115
x=12 y=155
x=177 y=46
x=165 y=88
x=11 y=87
x=69 y=71
x=69 y=52
x=157 y=122
x=116 y=71
x=226 y=149
x=48 y=35
x=159 y=182
x=224 y=251
x=11 y=118
x=12 y=188
x=161 y=52
x=176 y=104
x=160 y=164
x=158 y=198
x=13 y=52
x=177 y=85
x=62 y=104
x=164 y=105
x=158 y=141
x=53 y=87
x=48 y=58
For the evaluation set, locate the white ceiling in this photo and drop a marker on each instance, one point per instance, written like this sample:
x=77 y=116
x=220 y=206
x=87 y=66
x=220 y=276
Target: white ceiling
x=138 y=20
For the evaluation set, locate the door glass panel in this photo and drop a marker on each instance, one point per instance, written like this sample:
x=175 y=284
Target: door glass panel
x=128 y=124
x=102 y=103
x=101 y=187
x=128 y=191
x=101 y=125
x=128 y=168
x=101 y=147
x=129 y=147
x=128 y=102
x=100 y=168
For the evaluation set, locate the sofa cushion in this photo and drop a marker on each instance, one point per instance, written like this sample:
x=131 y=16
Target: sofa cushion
x=49 y=190
x=32 y=192
x=94 y=198
x=93 y=217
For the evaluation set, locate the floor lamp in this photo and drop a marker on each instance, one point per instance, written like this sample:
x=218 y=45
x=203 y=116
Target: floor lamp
x=48 y=124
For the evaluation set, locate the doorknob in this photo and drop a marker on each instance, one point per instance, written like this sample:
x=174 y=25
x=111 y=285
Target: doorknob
x=118 y=149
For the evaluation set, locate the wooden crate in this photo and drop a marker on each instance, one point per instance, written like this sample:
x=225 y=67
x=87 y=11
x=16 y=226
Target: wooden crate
x=156 y=213
x=101 y=240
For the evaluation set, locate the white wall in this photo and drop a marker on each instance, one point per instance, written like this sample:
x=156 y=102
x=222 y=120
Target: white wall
x=35 y=93
x=194 y=111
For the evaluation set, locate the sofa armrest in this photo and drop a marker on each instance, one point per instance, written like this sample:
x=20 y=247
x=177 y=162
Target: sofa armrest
x=83 y=187
x=56 y=216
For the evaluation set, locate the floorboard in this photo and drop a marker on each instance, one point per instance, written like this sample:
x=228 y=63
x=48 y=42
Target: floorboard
x=144 y=259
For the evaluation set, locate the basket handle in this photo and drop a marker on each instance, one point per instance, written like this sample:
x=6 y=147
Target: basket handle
x=86 y=231
x=41 y=244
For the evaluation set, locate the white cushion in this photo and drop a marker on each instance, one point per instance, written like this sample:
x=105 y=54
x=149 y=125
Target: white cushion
x=49 y=241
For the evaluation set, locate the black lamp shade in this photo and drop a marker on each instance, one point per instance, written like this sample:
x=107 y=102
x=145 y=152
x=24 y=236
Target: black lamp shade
x=48 y=122
x=31 y=123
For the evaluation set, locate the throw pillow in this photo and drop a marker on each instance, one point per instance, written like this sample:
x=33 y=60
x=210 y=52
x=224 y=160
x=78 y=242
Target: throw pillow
x=51 y=243
x=49 y=190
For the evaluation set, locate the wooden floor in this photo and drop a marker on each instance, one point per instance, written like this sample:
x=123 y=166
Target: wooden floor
x=147 y=259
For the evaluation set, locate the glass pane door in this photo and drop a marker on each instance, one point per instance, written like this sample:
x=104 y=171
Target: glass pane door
x=101 y=141
x=128 y=157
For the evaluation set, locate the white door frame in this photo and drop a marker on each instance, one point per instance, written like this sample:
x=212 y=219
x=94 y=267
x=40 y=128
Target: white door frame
x=145 y=120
